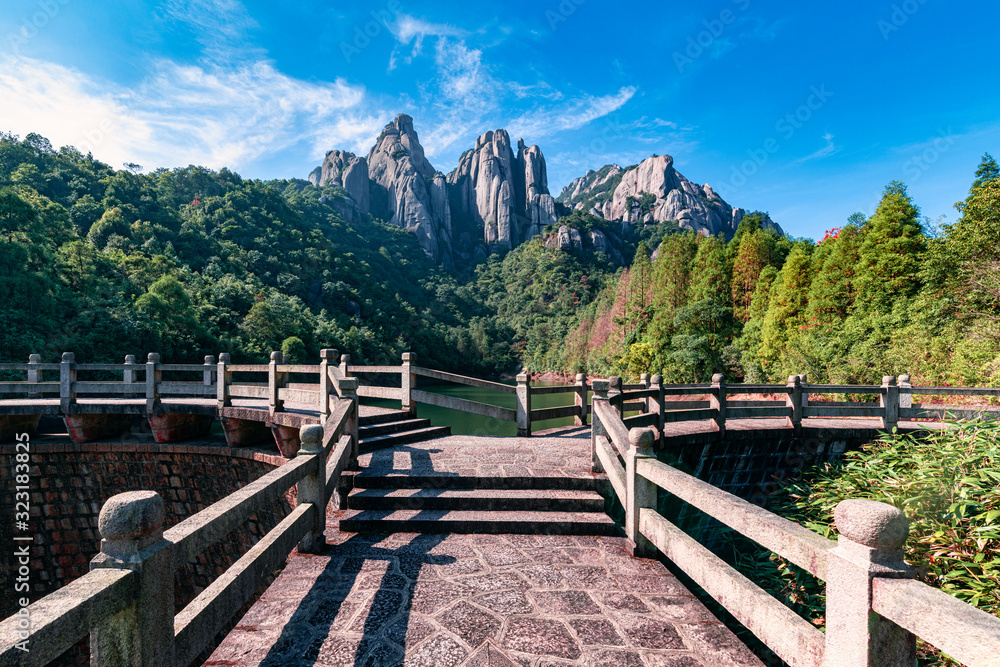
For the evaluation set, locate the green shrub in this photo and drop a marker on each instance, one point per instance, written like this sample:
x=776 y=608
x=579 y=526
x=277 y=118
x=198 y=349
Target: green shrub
x=948 y=484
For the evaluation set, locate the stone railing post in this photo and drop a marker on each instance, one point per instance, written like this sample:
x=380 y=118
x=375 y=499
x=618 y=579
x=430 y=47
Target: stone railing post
x=349 y=392
x=644 y=381
x=615 y=394
x=225 y=379
x=600 y=388
x=345 y=362
x=905 y=395
x=34 y=375
x=67 y=381
x=657 y=401
x=889 y=399
x=327 y=358
x=142 y=633
x=128 y=372
x=717 y=401
x=804 y=381
x=640 y=492
x=407 y=383
x=793 y=401
x=312 y=487
x=274 y=402
x=580 y=399
x=153 y=378
x=523 y=415
x=208 y=375
x=870 y=545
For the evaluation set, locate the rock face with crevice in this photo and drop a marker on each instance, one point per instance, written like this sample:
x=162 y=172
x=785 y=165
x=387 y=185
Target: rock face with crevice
x=653 y=192
x=407 y=191
x=348 y=171
x=503 y=194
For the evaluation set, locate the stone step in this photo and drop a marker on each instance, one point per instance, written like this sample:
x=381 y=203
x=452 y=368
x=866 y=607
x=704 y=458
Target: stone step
x=365 y=432
x=509 y=500
x=406 y=437
x=383 y=417
x=366 y=479
x=493 y=522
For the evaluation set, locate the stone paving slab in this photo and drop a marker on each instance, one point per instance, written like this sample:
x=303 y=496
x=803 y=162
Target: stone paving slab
x=417 y=600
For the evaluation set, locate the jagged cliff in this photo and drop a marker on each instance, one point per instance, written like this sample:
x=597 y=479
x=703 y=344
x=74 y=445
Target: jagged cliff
x=653 y=192
x=407 y=191
x=496 y=197
x=504 y=194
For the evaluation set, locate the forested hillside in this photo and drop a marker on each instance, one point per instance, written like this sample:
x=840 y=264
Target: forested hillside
x=881 y=295
x=192 y=261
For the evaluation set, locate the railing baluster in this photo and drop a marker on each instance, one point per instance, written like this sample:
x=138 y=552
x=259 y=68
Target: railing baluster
x=793 y=400
x=208 y=376
x=34 y=375
x=326 y=387
x=600 y=388
x=349 y=392
x=640 y=492
x=615 y=394
x=889 y=398
x=274 y=402
x=717 y=402
x=580 y=399
x=523 y=405
x=128 y=372
x=407 y=383
x=657 y=383
x=225 y=378
x=312 y=487
x=67 y=380
x=153 y=379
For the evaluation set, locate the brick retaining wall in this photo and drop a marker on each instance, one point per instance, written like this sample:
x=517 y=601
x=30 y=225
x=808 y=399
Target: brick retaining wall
x=70 y=482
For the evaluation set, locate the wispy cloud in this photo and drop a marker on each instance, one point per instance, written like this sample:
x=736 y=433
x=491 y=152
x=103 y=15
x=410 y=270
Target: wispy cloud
x=407 y=29
x=571 y=116
x=221 y=27
x=180 y=115
x=826 y=151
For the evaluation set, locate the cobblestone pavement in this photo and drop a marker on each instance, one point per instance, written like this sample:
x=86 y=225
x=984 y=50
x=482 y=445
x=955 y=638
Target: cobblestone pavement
x=477 y=600
x=429 y=600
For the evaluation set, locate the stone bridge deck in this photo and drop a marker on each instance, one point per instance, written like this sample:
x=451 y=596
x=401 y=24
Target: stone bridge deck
x=443 y=600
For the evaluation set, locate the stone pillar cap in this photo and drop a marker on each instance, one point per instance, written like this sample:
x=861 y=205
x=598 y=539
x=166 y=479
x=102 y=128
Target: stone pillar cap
x=580 y=377
x=345 y=358
x=640 y=438
x=349 y=384
x=522 y=378
x=209 y=359
x=311 y=437
x=131 y=516
x=68 y=356
x=276 y=356
x=600 y=385
x=328 y=353
x=129 y=358
x=153 y=357
x=871 y=523
x=410 y=356
x=224 y=357
x=34 y=358
x=657 y=379
x=718 y=378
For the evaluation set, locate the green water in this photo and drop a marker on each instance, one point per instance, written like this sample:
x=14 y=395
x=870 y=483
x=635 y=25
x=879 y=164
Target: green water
x=463 y=423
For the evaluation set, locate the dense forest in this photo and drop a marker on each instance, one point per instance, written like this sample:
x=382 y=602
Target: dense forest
x=191 y=261
x=889 y=294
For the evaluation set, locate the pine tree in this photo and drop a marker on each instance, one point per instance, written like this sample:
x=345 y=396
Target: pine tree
x=756 y=250
x=671 y=282
x=786 y=314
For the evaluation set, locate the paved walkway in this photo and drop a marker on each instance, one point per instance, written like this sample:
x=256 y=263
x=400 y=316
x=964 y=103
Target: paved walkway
x=443 y=600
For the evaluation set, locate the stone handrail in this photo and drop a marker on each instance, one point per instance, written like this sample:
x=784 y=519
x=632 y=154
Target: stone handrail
x=126 y=602
x=874 y=608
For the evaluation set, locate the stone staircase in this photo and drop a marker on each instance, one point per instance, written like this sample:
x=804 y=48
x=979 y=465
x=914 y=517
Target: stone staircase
x=395 y=428
x=459 y=504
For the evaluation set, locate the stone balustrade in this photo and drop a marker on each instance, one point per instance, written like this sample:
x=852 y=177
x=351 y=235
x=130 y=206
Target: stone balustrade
x=875 y=609
x=126 y=602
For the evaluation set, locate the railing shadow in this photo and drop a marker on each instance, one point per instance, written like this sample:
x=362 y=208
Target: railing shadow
x=393 y=598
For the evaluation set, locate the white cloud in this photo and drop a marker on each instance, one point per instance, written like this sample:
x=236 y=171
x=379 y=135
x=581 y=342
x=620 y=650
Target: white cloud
x=408 y=29
x=829 y=149
x=184 y=114
x=571 y=116
x=220 y=26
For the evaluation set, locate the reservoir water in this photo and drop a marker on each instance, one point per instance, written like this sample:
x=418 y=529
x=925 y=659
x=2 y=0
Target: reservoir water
x=463 y=423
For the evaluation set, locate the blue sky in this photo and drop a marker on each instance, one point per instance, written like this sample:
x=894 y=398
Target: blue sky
x=805 y=110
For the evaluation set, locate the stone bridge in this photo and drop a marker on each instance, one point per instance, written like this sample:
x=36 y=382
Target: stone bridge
x=544 y=549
